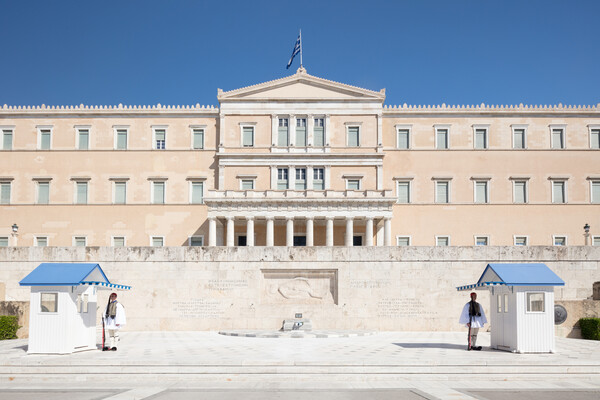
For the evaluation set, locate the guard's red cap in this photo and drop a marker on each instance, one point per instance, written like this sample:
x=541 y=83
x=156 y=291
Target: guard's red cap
x=113 y=294
x=473 y=294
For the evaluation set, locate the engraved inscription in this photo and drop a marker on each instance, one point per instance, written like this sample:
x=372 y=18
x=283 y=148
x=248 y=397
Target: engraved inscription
x=226 y=284
x=369 y=284
x=400 y=308
x=199 y=308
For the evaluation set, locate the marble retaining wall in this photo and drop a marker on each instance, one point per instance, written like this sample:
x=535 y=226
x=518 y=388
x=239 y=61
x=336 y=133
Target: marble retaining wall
x=373 y=288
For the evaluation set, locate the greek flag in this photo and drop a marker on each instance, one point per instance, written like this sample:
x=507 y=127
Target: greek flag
x=297 y=49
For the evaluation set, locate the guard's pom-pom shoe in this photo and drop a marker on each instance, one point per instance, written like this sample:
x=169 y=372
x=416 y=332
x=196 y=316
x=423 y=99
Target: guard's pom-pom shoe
x=114 y=349
x=105 y=348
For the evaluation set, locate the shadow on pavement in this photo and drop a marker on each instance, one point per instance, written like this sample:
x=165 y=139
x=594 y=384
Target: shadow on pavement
x=432 y=346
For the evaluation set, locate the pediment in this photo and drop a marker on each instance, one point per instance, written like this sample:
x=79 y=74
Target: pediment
x=301 y=86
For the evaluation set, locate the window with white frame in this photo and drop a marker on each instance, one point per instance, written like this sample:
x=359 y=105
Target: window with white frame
x=79 y=241
x=352 y=184
x=519 y=134
x=300 y=132
x=535 y=302
x=196 y=192
x=482 y=240
x=442 y=137
x=3 y=241
x=41 y=241
x=282 y=179
x=481 y=191
x=247 y=184
x=5 y=189
x=403 y=137
x=121 y=138
x=160 y=138
x=44 y=138
x=300 y=179
x=442 y=240
x=120 y=192
x=158 y=192
x=559 y=191
x=83 y=138
x=195 y=241
x=157 y=241
x=43 y=192
x=353 y=136
x=595 y=240
x=81 y=192
x=520 y=240
x=558 y=136
x=559 y=240
x=118 y=241
x=7 y=138
x=197 y=138
x=247 y=136
x=442 y=191
x=480 y=137
x=318 y=178
x=403 y=240
x=283 y=133
x=520 y=191
x=403 y=189
x=49 y=302
x=319 y=132
x=595 y=191
x=594 y=137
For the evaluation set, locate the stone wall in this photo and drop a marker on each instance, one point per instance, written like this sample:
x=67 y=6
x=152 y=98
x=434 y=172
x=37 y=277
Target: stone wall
x=21 y=310
x=373 y=288
x=577 y=309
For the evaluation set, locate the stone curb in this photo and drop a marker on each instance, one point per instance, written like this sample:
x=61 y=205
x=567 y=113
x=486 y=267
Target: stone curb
x=296 y=334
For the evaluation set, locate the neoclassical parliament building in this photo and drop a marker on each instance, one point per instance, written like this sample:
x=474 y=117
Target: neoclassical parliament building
x=299 y=161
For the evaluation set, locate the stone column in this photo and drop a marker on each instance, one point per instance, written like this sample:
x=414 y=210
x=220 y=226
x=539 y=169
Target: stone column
x=270 y=234
x=379 y=133
x=250 y=231
x=387 y=231
x=274 y=128
x=379 y=177
x=212 y=231
x=289 y=231
x=369 y=232
x=292 y=130
x=329 y=232
x=349 y=231
x=310 y=241
x=230 y=231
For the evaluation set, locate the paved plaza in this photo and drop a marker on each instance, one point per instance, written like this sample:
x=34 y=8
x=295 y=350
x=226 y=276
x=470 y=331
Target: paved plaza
x=369 y=365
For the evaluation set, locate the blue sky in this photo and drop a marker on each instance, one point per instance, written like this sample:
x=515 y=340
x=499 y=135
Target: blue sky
x=180 y=52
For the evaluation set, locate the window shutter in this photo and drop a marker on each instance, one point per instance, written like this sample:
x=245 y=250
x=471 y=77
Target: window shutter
x=119 y=241
x=159 y=192
x=120 y=192
x=7 y=140
x=319 y=133
x=45 y=140
x=353 y=140
x=480 y=142
x=301 y=132
x=84 y=139
x=121 y=139
x=596 y=192
x=5 y=193
x=82 y=192
x=442 y=192
x=520 y=192
x=442 y=138
x=248 y=139
x=559 y=192
x=43 y=192
x=403 y=192
x=198 y=139
x=481 y=192
x=403 y=138
x=557 y=139
x=197 y=192
x=595 y=139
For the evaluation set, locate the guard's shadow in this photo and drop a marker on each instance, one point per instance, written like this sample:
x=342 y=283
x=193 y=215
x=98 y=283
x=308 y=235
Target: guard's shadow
x=25 y=347
x=432 y=346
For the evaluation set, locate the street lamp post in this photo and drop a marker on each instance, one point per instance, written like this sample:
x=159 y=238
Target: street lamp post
x=15 y=233
x=586 y=229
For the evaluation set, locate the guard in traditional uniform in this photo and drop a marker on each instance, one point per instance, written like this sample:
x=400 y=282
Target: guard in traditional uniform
x=473 y=318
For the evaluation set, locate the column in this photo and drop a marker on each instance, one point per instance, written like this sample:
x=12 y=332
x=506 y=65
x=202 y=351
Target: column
x=292 y=130
x=369 y=232
x=379 y=177
x=212 y=231
x=270 y=235
x=309 y=177
x=329 y=232
x=230 y=231
x=349 y=231
x=327 y=132
x=274 y=128
x=310 y=127
x=289 y=231
x=221 y=133
x=249 y=231
x=379 y=133
x=291 y=177
x=310 y=241
x=387 y=231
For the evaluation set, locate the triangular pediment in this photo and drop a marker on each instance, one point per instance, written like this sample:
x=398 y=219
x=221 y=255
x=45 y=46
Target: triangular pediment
x=301 y=86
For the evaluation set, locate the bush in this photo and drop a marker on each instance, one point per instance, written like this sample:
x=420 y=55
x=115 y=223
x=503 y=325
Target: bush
x=9 y=324
x=590 y=328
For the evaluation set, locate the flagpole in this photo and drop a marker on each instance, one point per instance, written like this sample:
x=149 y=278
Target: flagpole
x=300 y=48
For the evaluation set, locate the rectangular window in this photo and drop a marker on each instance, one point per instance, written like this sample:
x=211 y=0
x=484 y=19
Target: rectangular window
x=595 y=138
x=81 y=196
x=595 y=240
x=197 y=139
x=197 y=192
x=283 y=133
x=560 y=240
x=595 y=192
x=160 y=138
x=403 y=240
x=248 y=136
x=481 y=138
x=49 y=302
x=5 y=192
x=7 y=135
x=282 y=178
x=300 y=179
x=121 y=139
x=43 y=192
x=158 y=241
x=353 y=136
x=196 y=241
x=404 y=192
x=559 y=192
x=481 y=192
x=499 y=303
x=481 y=241
x=301 y=132
x=519 y=138
x=120 y=192
x=45 y=139
x=535 y=302
x=442 y=192
x=247 y=184
x=80 y=241
x=83 y=139
x=442 y=241
x=558 y=138
x=441 y=139
x=506 y=303
x=403 y=138
x=520 y=192
x=158 y=192
x=520 y=240
x=319 y=132
x=3 y=241
x=318 y=179
x=41 y=241
x=118 y=241
x=353 y=184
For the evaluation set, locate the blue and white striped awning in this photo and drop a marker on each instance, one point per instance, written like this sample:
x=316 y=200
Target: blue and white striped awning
x=513 y=274
x=478 y=286
x=107 y=285
x=70 y=274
